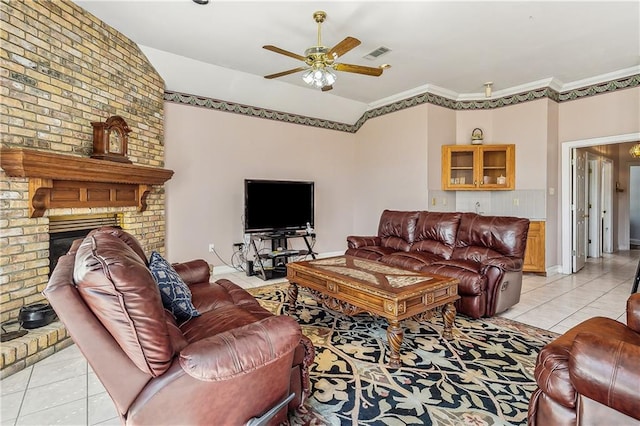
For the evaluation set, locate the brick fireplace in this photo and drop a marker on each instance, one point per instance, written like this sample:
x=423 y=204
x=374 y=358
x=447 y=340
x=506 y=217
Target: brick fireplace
x=62 y=69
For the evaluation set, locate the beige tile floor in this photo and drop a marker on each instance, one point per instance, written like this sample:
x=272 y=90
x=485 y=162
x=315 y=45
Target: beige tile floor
x=62 y=389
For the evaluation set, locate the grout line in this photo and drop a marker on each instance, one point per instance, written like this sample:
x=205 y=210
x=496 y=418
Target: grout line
x=86 y=399
x=24 y=394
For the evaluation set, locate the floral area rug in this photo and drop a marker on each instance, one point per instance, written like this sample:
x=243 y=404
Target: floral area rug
x=484 y=376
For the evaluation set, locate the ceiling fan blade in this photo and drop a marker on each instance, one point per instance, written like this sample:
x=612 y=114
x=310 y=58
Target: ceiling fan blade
x=343 y=47
x=283 y=73
x=284 y=52
x=327 y=88
x=359 y=69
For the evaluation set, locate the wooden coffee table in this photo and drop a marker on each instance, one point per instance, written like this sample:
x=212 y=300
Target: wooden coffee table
x=351 y=285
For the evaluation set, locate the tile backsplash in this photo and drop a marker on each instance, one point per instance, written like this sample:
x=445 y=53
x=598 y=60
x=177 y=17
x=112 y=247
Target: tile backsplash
x=521 y=203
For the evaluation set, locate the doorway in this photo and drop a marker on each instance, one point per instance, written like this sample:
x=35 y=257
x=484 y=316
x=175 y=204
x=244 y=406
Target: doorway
x=566 y=201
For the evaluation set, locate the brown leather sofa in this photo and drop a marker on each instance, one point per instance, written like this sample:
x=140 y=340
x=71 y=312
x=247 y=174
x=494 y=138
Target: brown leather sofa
x=484 y=252
x=234 y=364
x=590 y=375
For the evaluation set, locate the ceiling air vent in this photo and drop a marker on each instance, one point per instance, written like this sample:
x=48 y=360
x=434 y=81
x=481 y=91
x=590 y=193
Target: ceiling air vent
x=377 y=53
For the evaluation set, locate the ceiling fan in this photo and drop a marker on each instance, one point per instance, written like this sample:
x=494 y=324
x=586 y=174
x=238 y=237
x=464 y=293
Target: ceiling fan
x=320 y=60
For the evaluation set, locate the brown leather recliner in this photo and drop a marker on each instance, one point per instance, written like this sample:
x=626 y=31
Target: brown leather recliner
x=234 y=364
x=591 y=374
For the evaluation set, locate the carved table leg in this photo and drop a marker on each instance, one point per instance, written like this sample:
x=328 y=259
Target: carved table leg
x=449 y=316
x=394 y=336
x=292 y=292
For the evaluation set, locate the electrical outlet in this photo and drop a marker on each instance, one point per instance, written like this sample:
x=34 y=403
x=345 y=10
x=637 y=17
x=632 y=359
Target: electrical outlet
x=444 y=201
x=212 y=247
x=516 y=202
x=433 y=201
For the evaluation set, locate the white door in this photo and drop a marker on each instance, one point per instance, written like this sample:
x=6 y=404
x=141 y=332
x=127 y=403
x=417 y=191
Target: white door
x=593 y=206
x=607 y=206
x=579 y=196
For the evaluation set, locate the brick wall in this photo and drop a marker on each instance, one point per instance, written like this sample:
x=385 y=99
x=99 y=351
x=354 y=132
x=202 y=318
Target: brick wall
x=61 y=69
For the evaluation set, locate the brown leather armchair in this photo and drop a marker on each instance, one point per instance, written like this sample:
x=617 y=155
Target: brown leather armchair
x=591 y=374
x=234 y=364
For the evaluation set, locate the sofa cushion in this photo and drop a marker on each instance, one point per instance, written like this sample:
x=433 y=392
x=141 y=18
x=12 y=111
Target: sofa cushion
x=371 y=252
x=413 y=260
x=476 y=254
x=503 y=235
x=436 y=233
x=397 y=228
x=472 y=282
x=225 y=306
x=176 y=296
x=118 y=288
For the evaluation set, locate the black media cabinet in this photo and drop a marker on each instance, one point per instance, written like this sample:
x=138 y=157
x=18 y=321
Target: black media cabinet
x=273 y=264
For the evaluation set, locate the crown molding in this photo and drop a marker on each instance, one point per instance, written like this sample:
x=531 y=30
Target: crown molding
x=417 y=91
x=550 y=88
x=600 y=79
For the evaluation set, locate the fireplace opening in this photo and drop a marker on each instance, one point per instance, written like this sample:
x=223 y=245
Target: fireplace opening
x=64 y=230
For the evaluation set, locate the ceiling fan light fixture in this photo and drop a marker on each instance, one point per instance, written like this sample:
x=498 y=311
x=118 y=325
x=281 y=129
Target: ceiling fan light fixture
x=319 y=77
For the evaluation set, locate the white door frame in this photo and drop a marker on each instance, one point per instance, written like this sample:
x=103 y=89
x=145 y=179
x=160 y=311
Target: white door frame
x=593 y=199
x=565 y=176
x=607 y=205
x=579 y=200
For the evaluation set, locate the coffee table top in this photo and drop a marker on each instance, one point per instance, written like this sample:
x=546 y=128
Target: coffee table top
x=376 y=277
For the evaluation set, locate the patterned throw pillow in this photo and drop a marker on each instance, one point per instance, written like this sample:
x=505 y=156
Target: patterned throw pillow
x=176 y=296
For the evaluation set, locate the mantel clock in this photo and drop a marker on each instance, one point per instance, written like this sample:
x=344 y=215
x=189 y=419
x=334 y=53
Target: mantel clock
x=110 y=139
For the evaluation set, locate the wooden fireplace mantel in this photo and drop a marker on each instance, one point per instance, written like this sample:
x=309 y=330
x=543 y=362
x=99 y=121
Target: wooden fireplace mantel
x=65 y=181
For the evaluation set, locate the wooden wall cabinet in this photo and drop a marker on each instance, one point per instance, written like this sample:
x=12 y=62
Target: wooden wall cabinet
x=534 y=254
x=478 y=167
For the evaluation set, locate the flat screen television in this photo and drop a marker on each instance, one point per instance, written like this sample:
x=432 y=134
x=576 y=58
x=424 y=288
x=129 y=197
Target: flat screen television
x=277 y=206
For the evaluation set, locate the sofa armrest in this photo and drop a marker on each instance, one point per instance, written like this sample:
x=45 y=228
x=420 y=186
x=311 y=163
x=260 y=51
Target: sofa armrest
x=633 y=312
x=193 y=272
x=606 y=370
x=241 y=350
x=506 y=263
x=354 y=242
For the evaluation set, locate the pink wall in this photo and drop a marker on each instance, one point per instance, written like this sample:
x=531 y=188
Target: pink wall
x=213 y=152
x=390 y=170
x=442 y=131
x=522 y=124
x=608 y=114
x=391 y=162
x=552 y=252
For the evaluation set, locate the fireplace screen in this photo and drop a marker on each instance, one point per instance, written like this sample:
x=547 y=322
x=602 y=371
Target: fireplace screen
x=64 y=230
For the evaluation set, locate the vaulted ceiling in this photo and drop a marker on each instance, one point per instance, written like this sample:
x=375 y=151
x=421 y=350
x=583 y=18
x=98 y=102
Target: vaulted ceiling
x=449 y=48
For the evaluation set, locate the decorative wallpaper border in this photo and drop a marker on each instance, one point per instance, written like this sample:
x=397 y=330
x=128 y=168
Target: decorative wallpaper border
x=532 y=95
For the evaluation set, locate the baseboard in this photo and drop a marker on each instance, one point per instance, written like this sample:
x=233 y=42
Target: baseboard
x=330 y=254
x=225 y=269
x=554 y=270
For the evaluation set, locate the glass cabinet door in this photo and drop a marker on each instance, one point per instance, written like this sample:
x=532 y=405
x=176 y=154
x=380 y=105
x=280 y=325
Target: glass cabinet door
x=493 y=168
x=461 y=168
x=480 y=168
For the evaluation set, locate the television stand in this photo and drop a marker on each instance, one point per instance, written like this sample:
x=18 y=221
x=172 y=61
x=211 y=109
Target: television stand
x=273 y=264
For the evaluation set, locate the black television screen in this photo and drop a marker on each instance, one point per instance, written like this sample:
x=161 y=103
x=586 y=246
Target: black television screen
x=277 y=205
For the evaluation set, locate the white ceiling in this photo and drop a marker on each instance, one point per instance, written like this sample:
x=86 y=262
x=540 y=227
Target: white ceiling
x=445 y=47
